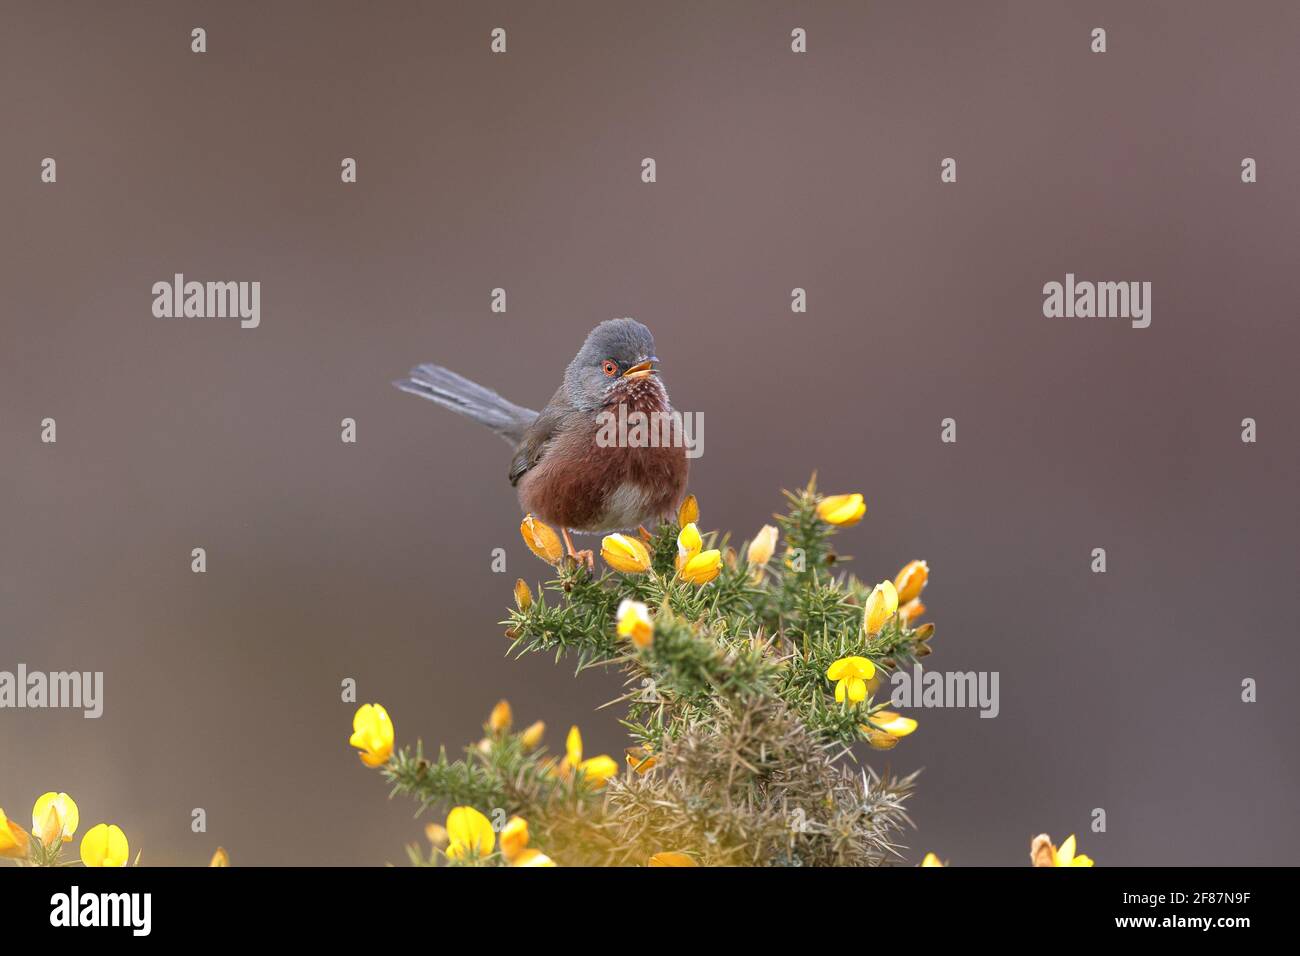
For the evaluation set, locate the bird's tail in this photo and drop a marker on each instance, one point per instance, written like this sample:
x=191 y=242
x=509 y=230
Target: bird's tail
x=470 y=399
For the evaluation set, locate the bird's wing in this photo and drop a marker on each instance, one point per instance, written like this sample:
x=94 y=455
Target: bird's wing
x=537 y=438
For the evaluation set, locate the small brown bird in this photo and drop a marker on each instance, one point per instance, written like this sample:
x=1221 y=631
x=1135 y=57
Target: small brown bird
x=565 y=469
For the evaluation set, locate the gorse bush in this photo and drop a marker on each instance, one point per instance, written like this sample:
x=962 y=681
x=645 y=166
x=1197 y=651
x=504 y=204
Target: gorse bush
x=748 y=678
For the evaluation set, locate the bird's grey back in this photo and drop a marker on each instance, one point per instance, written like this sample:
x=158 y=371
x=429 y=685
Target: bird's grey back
x=446 y=388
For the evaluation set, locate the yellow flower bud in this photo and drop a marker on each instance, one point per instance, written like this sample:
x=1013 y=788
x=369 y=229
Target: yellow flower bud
x=573 y=746
x=14 y=841
x=500 y=718
x=625 y=554
x=1043 y=853
x=762 y=547
x=880 y=607
x=514 y=838
x=372 y=734
x=532 y=857
x=896 y=725
x=436 y=834
x=54 y=818
x=541 y=540
x=911 y=580
x=925 y=632
x=532 y=736
x=1066 y=856
x=689 y=512
x=641 y=759
x=523 y=595
x=104 y=845
x=672 y=858
x=878 y=739
x=842 y=510
x=220 y=858
x=634 y=623
x=931 y=860
x=910 y=611
x=597 y=770
x=469 y=834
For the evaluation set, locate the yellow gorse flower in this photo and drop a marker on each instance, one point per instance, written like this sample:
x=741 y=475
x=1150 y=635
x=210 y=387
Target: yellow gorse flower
x=531 y=857
x=885 y=728
x=641 y=759
x=596 y=770
x=220 y=858
x=515 y=848
x=1065 y=856
x=372 y=734
x=878 y=739
x=702 y=568
x=896 y=725
x=762 y=547
x=911 y=580
x=514 y=838
x=54 y=818
x=842 y=510
x=469 y=834
x=105 y=845
x=689 y=544
x=881 y=605
x=634 y=623
x=541 y=540
x=501 y=717
x=624 y=553
x=689 y=512
x=14 y=841
x=694 y=565
x=671 y=858
x=931 y=860
x=851 y=675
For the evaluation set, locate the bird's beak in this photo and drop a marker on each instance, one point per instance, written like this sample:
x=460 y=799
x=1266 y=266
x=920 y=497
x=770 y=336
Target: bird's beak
x=641 y=370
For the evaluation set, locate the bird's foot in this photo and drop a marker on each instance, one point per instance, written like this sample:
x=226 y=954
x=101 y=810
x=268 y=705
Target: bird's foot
x=586 y=557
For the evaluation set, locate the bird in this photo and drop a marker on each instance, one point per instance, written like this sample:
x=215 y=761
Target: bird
x=564 y=470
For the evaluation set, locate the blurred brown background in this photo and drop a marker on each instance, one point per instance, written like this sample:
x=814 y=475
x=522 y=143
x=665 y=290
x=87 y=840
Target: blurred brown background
x=371 y=560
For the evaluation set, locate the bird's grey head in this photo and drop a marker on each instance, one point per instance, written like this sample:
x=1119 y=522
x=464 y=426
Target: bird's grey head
x=618 y=354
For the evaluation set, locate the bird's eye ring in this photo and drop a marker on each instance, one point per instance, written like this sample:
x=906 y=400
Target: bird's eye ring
x=609 y=367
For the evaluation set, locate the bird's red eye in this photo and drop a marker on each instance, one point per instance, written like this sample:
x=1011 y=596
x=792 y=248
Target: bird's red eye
x=609 y=367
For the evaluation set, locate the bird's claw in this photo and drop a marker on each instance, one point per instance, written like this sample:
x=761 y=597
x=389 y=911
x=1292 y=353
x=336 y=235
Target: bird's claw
x=586 y=557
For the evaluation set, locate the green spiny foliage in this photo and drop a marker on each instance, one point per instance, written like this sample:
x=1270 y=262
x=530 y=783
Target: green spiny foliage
x=742 y=752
